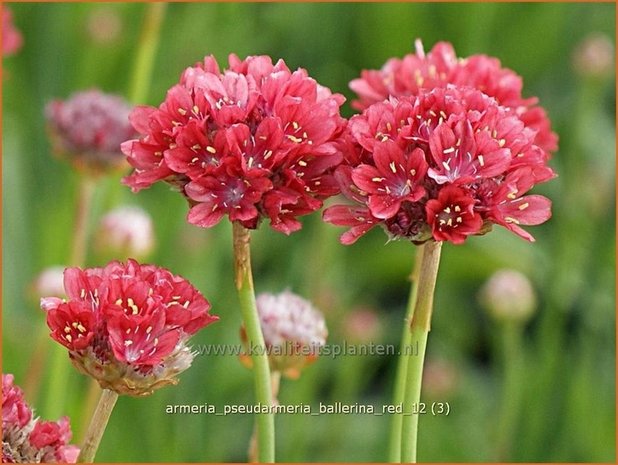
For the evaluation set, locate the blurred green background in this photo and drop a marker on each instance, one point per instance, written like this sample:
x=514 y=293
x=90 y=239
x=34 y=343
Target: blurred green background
x=566 y=377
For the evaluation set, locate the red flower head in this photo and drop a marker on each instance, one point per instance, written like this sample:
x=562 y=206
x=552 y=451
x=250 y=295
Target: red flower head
x=30 y=440
x=88 y=128
x=128 y=325
x=254 y=141
x=11 y=37
x=440 y=67
x=442 y=165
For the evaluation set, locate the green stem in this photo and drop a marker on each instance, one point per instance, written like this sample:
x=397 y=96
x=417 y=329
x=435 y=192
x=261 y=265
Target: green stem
x=275 y=380
x=511 y=388
x=85 y=195
x=88 y=407
x=147 y=48
x=394 y=454
x=419 y=329
x=59 y=364
x=97 y=426
x=265 y=422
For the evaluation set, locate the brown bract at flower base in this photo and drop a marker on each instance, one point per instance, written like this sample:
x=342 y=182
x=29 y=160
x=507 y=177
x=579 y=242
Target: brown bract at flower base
x=128 y=325
x=251 y=142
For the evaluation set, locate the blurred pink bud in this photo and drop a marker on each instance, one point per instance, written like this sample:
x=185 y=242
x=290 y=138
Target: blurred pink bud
x=294 y=331
x=87 y=129
x=362 y=325
x=125 y=232
x=48 y=282
x=104 y=25
x=508 y=296
x=440 y=379
x=594 y=56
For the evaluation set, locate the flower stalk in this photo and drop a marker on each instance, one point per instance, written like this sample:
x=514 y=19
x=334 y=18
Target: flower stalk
x=402 y=364
x=419 y=329
x=101 y=416
x=275 y=380
x=265 y=422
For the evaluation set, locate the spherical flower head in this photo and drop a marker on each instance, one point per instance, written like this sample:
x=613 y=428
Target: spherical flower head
x=251 y=142
x=508 y=296
x=443 y=165
x=128 y=325
x=88 y=128
x=125 y=231
x=294 y=331
x=12 y=39
x=26 y=439
x=441 y=67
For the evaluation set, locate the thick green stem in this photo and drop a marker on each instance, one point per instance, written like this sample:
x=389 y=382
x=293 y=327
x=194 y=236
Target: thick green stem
x=88 y=407
x=419 y=329
x=97 y=426
x=147 y=48
x=265 y=422
x=275 y=380
x=394 y=454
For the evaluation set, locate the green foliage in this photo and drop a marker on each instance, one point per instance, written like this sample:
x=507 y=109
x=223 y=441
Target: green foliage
x=568 y=373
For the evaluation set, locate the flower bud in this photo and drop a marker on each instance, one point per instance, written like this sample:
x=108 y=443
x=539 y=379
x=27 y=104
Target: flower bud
x=362 y=326
x=104 y=25
x=440 y=379
x=26 y=439
x=128 y=326
x=48 y=282
x=88 y=128
x=508 y=296
x=125 y=232
x=594 y=56
x=293 y=332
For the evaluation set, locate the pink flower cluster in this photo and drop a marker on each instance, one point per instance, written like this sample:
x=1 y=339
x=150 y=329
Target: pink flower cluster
x=26 y=439
x=445 y=161
x=127 y=325
x=88 y=128
x=254 y=141
x=11 y=37
x=439 y=68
